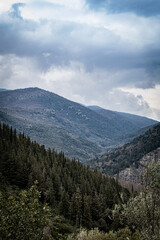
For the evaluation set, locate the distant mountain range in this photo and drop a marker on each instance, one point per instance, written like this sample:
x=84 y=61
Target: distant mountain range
x=79 y=131
x=139 y=121
x=3 y=89
x=127 y=162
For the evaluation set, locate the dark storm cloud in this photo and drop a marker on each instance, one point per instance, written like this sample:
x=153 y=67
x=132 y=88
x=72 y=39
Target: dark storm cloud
x=12 y=40
x=145 y=8
x=69 y=41
x=18 y=37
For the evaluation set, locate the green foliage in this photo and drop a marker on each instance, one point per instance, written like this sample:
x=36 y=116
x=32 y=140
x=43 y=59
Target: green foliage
x=143 y=211
x=62 y=227
x=87 y=235
x=23 y=217
x=95 y=234
x=81 y=195
x=78 y=196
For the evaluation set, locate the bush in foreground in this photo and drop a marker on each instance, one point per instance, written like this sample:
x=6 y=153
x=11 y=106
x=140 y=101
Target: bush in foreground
x=23 y=217
x=122 y=234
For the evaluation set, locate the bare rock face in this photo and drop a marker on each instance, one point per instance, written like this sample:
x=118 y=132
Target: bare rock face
x=134 y=174
x=130 y=174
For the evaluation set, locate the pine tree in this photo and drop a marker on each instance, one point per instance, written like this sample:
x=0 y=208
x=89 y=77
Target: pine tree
x=64 y=205
x=76 y=207
x=87 y=218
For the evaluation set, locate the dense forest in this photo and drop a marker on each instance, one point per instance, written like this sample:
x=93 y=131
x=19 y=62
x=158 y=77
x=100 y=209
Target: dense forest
x=83 y=196
x=44 y=195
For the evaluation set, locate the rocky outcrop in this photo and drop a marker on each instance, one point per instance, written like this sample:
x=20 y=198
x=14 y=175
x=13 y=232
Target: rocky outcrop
x=134 y=174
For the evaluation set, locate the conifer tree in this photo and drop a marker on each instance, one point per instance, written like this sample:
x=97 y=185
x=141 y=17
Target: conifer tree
x=76 y=207
x=87 y=218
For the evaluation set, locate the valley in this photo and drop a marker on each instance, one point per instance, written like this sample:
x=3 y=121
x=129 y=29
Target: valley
x=80 y=132
x=67 y=170
x=127 y=162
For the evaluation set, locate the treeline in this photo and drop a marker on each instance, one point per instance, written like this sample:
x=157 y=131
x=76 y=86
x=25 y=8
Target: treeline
x=83 y=196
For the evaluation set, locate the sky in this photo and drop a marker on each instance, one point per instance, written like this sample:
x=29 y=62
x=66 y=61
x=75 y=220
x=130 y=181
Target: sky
x=95 y=52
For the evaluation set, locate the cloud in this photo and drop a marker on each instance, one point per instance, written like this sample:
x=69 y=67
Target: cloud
x=112 y=46
x=7 y=4
x=77 y=84
x=18 y=72
x=15 y=12
x=145 y=8
x=94 y=88
x=100 y=88
x=149 y=94
x=89 y=56
x=87 y=87
x=72 y=4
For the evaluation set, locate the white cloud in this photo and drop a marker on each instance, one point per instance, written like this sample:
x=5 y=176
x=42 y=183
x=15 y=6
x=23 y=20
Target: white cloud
x=95 y=88
x=150 y=95
x=75 y=83
x=55 y=10
x=92 y=57
x=133 y=30
x=16 y=72
x=72 y=4
x=6 y=5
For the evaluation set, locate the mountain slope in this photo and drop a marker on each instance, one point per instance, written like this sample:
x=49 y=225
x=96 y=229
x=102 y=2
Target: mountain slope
x=124 y=118
x=134 y=174
x=130 y=154
x=65 y=125
x=3 y=89
x=82 y=196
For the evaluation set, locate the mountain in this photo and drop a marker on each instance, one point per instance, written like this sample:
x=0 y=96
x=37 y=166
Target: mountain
x=3 y=89
x=128 y=160
x=65 y=125
x=139 y=121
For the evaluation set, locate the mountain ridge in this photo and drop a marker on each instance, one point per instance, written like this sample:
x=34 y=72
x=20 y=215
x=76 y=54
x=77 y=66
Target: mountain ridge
x=135 y=119
x=63 y=124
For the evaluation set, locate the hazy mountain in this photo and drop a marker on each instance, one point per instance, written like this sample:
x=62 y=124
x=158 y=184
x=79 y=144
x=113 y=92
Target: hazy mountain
x=125 y=160
x=128 y=118
x=3 y=89
x=65 y=125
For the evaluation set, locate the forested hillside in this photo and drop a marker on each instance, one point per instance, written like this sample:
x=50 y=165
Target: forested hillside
x=83 y=196
x=129 y=154
x=44 y=195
